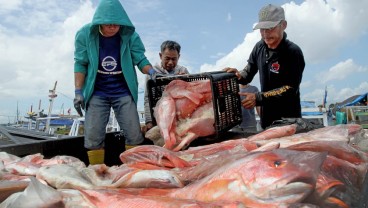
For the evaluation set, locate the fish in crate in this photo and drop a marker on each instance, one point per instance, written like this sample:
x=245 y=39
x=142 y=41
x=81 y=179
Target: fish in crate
x=185 y=112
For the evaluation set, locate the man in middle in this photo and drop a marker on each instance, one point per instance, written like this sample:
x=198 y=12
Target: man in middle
x=169 y=55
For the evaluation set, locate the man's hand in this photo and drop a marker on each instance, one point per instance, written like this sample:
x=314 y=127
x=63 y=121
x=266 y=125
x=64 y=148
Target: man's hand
x=79 y=101
x=249 y=101
x=232 y=70
x=152 y=73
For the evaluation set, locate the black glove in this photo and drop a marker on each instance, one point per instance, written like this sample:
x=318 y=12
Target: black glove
x=79 y=101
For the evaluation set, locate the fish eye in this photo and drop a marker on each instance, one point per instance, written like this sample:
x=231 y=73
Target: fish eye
x=277 y=163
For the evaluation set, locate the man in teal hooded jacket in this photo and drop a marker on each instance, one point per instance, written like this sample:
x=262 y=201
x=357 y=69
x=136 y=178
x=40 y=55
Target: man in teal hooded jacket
x=106 y=53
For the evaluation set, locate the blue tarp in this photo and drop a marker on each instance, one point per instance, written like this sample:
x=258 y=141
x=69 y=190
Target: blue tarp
x=311 y=113
x=362 y=99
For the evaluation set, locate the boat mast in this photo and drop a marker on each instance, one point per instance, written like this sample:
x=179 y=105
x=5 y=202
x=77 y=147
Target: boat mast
x=52 y=96
x=17 y=114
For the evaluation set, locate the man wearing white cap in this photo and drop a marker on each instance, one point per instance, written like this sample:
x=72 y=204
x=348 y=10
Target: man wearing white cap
x=280 y=64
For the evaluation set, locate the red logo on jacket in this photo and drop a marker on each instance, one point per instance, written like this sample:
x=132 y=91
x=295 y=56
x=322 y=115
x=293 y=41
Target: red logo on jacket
x=275 y=67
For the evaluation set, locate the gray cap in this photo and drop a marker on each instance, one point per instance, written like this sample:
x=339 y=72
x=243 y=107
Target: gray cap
x=269 y=16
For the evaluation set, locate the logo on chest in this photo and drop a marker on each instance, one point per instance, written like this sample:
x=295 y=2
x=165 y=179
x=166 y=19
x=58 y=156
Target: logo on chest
x=275 y=67
x=109 y=63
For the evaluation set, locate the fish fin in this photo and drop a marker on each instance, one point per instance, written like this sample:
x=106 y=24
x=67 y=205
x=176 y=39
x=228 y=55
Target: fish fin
x=337 y=202
x=185 y=141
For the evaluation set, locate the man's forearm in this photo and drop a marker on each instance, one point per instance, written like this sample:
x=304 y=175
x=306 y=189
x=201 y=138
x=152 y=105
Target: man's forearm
x=79 y=80
x=146 y=69
x=245 y=73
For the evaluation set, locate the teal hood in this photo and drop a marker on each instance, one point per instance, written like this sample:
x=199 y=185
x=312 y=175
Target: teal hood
x=111 y=12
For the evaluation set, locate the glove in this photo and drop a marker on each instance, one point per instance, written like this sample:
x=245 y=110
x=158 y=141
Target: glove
x=152 y=73
x=79 y=101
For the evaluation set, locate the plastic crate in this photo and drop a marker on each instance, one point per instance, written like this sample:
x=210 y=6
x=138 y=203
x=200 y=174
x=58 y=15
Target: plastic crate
x=225 y=97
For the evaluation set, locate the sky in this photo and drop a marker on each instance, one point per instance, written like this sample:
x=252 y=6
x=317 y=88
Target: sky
x=37 y=44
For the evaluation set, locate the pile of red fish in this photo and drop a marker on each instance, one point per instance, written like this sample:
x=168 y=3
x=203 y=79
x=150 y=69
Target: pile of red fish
x=275 y=168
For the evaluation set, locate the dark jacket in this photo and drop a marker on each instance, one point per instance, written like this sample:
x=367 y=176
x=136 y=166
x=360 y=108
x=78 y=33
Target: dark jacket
x=280 y=72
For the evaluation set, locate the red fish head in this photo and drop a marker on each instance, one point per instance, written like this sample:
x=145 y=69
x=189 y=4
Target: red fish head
x=282 y=175
x=259 y=179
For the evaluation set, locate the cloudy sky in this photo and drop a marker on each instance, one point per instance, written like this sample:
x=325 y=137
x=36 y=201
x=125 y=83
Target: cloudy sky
x=37 y=39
